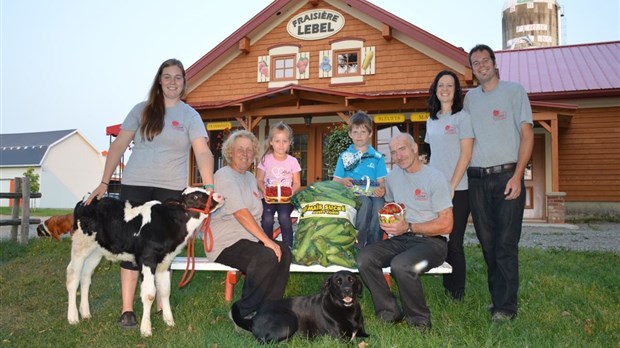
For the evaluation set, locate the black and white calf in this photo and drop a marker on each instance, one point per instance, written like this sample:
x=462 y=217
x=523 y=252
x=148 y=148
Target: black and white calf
x=149 y=234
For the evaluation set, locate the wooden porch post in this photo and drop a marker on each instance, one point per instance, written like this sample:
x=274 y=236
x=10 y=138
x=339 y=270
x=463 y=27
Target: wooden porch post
x=552 y=127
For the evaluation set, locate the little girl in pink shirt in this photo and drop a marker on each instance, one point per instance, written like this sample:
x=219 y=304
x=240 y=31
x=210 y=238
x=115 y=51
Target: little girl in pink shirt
x=277 y=168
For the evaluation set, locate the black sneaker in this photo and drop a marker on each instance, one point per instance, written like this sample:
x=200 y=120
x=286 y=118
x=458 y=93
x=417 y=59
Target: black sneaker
x=238 y=328
x=127 y=320
x=423 y=329
x=502 y=317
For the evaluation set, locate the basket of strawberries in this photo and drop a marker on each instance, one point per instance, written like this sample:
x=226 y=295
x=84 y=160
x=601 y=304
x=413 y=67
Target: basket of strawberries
x=390 y=212
x=278 y=194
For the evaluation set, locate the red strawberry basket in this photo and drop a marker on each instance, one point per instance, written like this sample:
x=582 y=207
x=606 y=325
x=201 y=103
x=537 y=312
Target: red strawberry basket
x=278 y=194
x=390 y=211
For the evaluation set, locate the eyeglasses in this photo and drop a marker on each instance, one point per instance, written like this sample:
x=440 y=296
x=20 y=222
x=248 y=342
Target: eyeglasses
x=476 y=63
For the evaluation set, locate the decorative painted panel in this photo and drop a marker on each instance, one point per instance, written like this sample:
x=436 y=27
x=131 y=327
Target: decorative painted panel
x=303 y=66
x=263 y=69
x=325 y=64
x=368 y=60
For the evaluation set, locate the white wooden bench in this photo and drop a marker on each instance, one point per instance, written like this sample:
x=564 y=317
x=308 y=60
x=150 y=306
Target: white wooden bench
x=202 y=264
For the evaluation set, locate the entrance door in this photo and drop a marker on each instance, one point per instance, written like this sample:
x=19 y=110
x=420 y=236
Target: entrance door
x=535 y=207
x=308 y=149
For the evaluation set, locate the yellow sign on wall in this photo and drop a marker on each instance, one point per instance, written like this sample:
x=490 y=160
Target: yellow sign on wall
x=419 y=116
x=213 y=126
x=389 y=118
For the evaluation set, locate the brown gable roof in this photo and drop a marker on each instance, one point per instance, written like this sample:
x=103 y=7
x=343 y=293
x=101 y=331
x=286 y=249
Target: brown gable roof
x=280 y=7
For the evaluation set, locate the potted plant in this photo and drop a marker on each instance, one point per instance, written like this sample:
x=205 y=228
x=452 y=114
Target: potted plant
x=336 y=141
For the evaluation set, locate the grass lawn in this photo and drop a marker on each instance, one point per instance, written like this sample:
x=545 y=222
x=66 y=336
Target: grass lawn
x=37 y=211
x=567 y=299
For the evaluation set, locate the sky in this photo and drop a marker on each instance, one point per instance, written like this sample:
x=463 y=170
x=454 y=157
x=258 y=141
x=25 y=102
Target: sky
x=83 y=64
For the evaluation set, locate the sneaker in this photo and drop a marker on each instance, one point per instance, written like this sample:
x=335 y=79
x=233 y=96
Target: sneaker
x=423 y=329
x=457 y=296
x=127 y=320
x=389 y=318
x=502 y=317
x=237 y=327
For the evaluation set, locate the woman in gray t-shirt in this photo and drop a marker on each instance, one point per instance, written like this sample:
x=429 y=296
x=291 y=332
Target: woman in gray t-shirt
x=450 y=135
x=163 y=129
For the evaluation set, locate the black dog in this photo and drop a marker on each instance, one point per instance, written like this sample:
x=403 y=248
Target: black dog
x=335 y=311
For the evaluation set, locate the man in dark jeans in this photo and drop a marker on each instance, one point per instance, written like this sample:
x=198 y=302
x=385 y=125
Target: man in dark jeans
x=419 y=239
x=501 y=118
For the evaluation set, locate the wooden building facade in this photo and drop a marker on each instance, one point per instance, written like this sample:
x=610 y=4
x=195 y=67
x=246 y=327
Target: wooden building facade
x=314 y=63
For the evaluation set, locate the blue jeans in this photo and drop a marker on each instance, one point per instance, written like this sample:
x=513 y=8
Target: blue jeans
x=498 y=227
x=284 y=218
x=367 y=221
x=401 y=253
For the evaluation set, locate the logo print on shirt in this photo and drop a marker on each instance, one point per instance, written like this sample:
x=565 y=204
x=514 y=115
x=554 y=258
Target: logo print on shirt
x=498 y=115
x=281 y=176
x=420 y=195
x=255 y=194
x=449 y=129
x=177 y=126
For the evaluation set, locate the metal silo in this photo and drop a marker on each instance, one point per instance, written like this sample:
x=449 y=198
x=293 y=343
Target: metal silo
x=530 y=23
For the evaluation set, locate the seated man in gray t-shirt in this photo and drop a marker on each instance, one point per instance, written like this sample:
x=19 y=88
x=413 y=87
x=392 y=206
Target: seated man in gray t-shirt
x=418 y=242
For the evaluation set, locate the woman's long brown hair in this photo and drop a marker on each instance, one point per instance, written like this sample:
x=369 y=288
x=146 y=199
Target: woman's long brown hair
x=152 y=122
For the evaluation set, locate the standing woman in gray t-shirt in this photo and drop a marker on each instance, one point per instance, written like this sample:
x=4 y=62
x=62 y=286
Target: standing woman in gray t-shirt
x=163 y=129
x=450 y=135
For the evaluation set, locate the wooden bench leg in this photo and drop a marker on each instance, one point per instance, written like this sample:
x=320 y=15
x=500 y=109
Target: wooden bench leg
x=231 y=280
x=388 y=280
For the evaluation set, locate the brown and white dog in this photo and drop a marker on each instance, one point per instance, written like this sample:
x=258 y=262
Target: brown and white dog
x=56 y=226
x=149 y=234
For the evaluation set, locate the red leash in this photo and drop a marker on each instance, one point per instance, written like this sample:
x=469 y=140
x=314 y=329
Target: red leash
x=191 y=243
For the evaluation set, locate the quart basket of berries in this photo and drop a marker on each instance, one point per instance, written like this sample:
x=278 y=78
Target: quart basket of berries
x=364 y=187
x=390 y=212
x=278 y=194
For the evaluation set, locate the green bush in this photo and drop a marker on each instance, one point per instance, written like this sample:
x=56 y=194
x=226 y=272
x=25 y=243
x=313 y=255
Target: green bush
x=336 y=142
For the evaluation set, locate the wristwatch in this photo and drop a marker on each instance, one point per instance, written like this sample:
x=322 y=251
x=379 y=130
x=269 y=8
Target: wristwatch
x=409 y=229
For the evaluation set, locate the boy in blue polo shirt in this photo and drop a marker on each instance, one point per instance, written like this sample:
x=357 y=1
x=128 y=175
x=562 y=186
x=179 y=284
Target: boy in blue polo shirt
x=362 y=169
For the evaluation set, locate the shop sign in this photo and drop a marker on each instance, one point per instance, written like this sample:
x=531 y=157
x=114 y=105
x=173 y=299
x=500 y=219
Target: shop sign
x=213 y=126
x=419 y=116
x=315 y=24
x=389 y=118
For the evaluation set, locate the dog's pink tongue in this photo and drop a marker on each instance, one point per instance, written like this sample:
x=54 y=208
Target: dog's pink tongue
x=347 y=299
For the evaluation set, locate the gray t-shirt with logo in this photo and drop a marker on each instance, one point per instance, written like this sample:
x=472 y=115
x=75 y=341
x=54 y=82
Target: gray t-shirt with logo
x=425 y=193
x=240 y=191
x=496 y=117
x=164 y=161
x=444 y=135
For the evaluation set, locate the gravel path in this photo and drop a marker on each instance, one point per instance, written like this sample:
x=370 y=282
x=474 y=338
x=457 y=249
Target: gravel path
x=601 y=236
